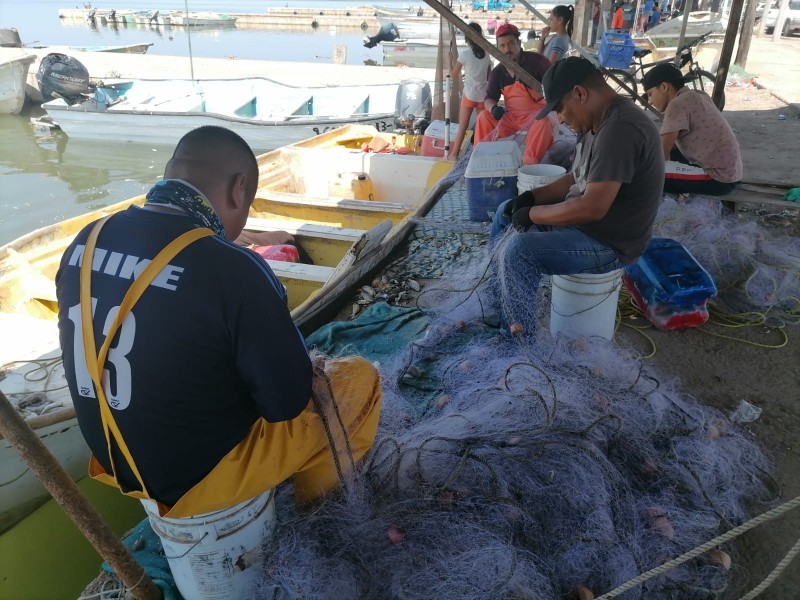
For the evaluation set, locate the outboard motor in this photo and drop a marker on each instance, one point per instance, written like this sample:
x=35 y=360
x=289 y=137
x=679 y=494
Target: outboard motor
x=388 y=33
x=9 y=38
x=413 y=106
x=61 y=76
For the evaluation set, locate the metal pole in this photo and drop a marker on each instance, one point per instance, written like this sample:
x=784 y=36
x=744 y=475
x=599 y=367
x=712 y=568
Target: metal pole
x=513 y=68
x=189 y=36
x=682 y=36
x=727 y=50
x=64 y=491
x=447 y=81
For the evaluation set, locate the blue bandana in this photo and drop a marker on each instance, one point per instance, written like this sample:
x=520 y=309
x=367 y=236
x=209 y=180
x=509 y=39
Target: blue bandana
x=171 y=192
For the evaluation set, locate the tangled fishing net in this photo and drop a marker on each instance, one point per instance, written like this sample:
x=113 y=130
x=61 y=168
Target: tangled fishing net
x=524 y=466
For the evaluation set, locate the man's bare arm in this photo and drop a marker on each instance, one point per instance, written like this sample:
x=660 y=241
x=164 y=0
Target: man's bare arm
x=555 y=191
x=591 y=207
x=668 y=143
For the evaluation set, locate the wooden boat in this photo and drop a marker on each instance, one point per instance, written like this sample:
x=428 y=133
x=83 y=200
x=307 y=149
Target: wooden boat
x=346 y=239
x=13 y=74
x=266 y=113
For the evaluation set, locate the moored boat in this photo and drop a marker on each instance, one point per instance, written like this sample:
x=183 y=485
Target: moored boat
x=266 y=113
x=417 y=53
x=13 y=74
x=300 y=191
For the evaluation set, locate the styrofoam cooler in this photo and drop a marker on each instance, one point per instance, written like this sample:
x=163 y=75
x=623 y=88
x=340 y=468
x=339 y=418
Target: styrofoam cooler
x=491 y=177
x=433 y=139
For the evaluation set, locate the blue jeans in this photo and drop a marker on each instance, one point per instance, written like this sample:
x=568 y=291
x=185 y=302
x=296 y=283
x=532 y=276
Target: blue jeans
x=550 y=250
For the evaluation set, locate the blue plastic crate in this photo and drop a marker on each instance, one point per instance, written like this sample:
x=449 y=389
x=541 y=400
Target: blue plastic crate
x=616 y=50
x=668 y=274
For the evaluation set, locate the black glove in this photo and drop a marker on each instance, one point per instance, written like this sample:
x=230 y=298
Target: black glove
x=521 y=219
x=498 y=111
x=524 y=199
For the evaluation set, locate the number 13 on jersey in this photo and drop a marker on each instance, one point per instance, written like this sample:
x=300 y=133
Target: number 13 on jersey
x=116 y=384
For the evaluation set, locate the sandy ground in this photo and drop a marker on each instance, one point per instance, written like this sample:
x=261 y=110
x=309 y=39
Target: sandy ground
x=721 y=373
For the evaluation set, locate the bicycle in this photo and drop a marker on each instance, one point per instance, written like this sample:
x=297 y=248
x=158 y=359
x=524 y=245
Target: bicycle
x=631 y=78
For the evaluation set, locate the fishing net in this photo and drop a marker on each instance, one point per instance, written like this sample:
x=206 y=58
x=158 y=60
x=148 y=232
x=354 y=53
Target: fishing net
x=524 y=466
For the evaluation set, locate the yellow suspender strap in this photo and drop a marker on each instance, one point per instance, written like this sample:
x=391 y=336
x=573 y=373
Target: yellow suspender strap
x=95 y=361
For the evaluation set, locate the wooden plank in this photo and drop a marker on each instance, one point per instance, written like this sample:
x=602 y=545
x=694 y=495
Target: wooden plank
x=290 y=270
x=304 y=229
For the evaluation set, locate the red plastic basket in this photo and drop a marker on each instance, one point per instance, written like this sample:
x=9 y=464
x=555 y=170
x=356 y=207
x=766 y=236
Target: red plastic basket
x=616 y=50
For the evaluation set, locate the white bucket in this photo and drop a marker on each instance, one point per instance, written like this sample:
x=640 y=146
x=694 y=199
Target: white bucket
x=533 y=176
x=585 y=304
x=216 y=556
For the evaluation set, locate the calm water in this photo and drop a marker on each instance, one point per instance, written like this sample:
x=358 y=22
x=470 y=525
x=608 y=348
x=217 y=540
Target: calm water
x=47 y=177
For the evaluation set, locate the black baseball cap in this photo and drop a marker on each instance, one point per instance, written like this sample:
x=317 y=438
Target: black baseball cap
x=663 y=73
x=561 y=77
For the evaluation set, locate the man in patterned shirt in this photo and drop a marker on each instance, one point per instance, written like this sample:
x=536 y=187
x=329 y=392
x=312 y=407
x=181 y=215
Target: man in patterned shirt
x=699 y=146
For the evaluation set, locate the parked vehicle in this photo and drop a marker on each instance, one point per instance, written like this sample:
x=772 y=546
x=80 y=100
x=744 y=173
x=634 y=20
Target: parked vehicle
x=486 y=5
x=792 y=22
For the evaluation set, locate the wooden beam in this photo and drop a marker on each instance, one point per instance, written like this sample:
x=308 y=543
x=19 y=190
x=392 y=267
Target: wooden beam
x=727 y=50
x=512 y=67
x=747 y=34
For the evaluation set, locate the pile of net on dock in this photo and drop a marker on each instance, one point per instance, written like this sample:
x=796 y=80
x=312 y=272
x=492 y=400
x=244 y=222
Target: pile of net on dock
x=525 y=467
x=756 y=268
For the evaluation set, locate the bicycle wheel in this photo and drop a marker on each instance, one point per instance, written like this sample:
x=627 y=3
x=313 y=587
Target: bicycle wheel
x=616 y=77
x=704 y=81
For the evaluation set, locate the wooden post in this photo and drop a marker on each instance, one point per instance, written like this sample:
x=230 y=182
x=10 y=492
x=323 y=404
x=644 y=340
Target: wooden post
x=78 y=508
x=577 y=31
x=340 y=54
x=747 y=33
x=727 y=50
x=776 y=32
x=513 y=68
x=586 y=29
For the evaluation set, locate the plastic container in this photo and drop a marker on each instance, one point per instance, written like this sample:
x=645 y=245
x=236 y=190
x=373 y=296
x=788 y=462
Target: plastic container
x=355 y=185
x=281 y=252
x=491 y=177
x=216 y=555
x=667 y=317
x=533 y=176
x=585 y=304
x=667 y=273
x=433 y=139
x=616 y=50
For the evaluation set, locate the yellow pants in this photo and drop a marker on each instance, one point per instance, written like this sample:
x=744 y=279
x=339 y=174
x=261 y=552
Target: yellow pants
x=274 y=452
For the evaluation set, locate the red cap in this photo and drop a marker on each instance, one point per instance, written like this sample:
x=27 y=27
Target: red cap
x=506 y=29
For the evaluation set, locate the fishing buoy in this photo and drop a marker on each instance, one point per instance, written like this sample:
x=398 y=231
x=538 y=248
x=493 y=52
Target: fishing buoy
x=364 y=25
x=314 y=24
x=584 y=593
x=720 y=558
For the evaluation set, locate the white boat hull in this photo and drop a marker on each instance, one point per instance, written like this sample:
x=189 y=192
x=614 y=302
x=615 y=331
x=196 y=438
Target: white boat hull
x=168 y=128
x=414 y=27
x=420 y=53
x=13 y=75
x=34 y=382
x=265 y=113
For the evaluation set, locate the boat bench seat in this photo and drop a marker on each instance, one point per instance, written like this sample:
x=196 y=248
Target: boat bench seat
x=330 y=201
x=232 y=106
x=188 y=103
x=304 y=229
x=290 y=270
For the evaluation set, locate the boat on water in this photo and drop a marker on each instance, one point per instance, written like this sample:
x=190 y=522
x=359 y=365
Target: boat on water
x=176 y=18
x=303 y=189
x=667 y=34
x=123 y=49
x=415 y=53
x=266 y=113
x=412 y=26
x=13 y=74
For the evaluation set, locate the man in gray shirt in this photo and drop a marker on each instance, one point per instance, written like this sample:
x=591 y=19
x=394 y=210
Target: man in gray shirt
x=600 y=215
